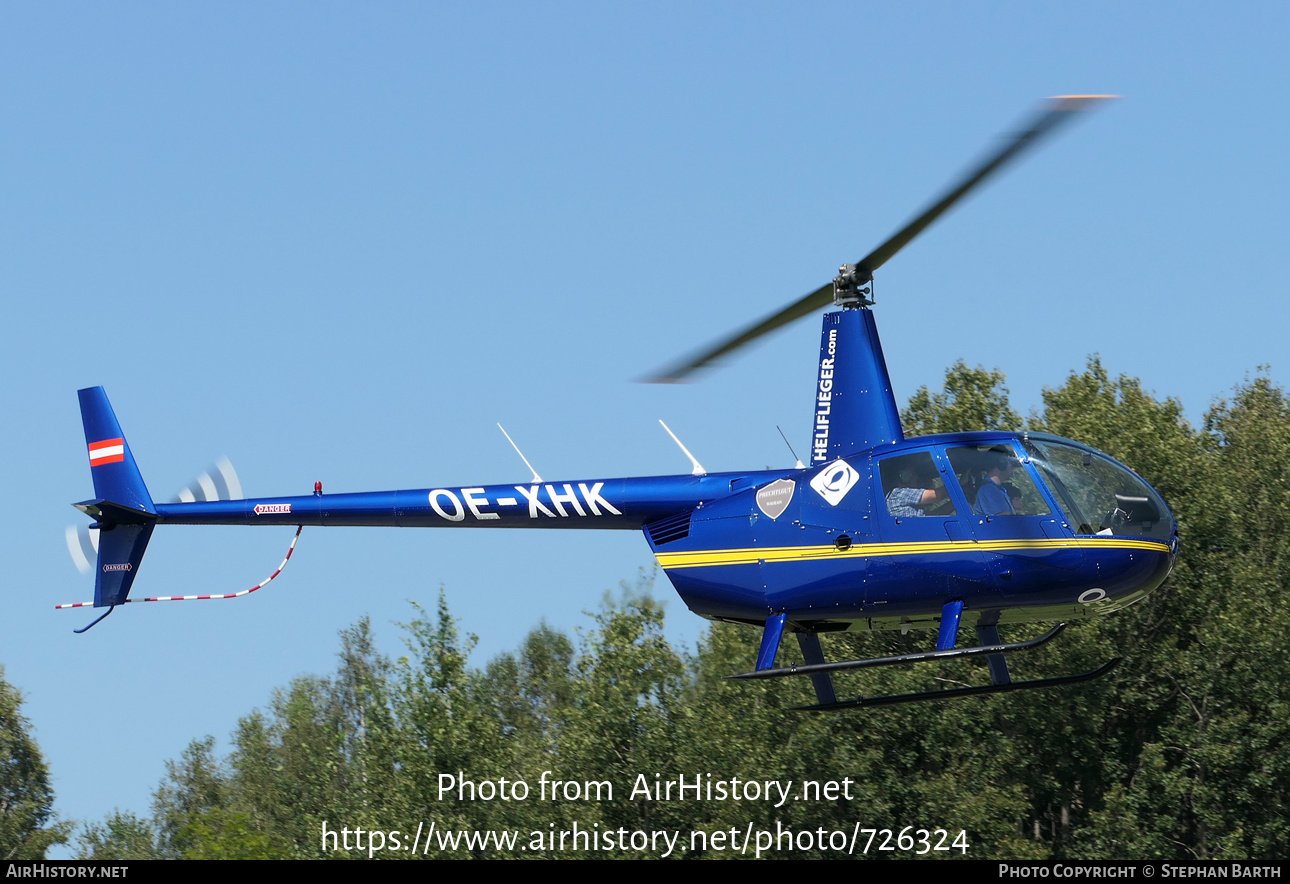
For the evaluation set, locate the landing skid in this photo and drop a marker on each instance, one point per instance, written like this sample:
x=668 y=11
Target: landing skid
x=921 y=657
x=893 y=699
x=990 y=647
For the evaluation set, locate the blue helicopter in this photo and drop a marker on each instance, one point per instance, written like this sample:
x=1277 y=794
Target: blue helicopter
x=877 y=532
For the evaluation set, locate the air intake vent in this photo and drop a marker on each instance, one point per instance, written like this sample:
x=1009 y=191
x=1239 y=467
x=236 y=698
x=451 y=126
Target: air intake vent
x=669 y=529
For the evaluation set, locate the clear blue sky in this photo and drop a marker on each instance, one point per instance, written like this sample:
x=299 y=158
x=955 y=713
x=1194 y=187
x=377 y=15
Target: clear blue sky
x=341 y=241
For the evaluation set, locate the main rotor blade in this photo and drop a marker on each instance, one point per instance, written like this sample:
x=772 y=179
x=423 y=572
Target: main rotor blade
x=1051 y=114
x=681 y=371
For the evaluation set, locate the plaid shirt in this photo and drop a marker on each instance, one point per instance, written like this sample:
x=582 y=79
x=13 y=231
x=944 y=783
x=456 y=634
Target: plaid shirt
x=906 y=501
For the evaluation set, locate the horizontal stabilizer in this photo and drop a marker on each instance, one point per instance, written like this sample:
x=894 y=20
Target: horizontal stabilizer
x=111 y=513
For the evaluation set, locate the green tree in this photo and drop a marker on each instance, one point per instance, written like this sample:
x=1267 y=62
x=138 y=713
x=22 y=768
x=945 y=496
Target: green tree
x=229 y=834
x=972 y=399
x=28 y=824
x=623 y=721
x=324 y=752
x=1211 y=776
x=122 y=835
x=193 y=787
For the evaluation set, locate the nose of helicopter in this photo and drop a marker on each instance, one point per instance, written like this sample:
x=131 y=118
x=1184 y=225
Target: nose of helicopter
x=1128 y=532
x=1143 y=553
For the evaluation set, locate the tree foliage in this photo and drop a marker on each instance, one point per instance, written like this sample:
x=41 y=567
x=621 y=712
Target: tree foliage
x=121 y=835
x=28 y=825
x=971 y=399
x=1178 y=754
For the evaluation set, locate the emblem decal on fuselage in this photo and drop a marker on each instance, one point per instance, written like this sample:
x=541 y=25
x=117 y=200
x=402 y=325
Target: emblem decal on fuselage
x=834 y=481
x=773 y=499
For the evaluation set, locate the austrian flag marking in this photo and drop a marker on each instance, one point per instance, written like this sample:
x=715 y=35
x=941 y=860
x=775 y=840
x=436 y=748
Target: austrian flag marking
x=107 y=451
x=262 y=508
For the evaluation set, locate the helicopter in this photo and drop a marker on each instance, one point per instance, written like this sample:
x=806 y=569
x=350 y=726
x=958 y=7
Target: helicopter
x=876 y=532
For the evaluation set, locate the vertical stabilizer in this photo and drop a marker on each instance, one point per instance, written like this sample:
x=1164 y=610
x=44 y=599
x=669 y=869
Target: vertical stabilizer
x=116 y=476
x=854 y=406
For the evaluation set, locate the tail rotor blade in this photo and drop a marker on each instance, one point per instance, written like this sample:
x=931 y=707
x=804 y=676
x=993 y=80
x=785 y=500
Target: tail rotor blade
x=83 y=545
x=232 y=486
x=219 y=482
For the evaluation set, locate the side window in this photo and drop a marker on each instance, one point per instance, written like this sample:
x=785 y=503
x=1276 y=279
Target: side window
x=995 y=482
x=912 y=486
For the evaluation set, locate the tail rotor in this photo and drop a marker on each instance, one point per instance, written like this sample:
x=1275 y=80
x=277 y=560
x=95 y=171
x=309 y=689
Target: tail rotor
x=217 y=482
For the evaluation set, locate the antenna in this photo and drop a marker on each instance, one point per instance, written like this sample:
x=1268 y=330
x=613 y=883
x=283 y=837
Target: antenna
x=800 y=465
x=536 y=477
x=698 y=467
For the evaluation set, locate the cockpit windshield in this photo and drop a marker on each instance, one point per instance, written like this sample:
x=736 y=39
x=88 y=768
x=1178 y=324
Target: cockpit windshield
x=1099 y=495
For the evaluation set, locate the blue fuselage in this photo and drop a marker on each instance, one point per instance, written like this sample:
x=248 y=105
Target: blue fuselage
x=822 y=544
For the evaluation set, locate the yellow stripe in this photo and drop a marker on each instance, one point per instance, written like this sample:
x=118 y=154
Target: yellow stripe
x=751 y=556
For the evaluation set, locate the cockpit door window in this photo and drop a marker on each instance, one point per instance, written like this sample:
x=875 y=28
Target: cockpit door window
x=995 y=481
x=912 y=487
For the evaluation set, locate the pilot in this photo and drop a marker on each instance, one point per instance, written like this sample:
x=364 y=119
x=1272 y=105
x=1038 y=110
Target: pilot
x=909 y=499
x=993 y=499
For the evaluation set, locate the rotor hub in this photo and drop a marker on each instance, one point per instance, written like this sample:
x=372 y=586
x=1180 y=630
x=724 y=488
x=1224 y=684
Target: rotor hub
x=853 y=287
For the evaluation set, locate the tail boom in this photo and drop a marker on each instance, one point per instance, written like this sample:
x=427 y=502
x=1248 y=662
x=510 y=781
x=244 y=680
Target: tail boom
x=611 y=504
